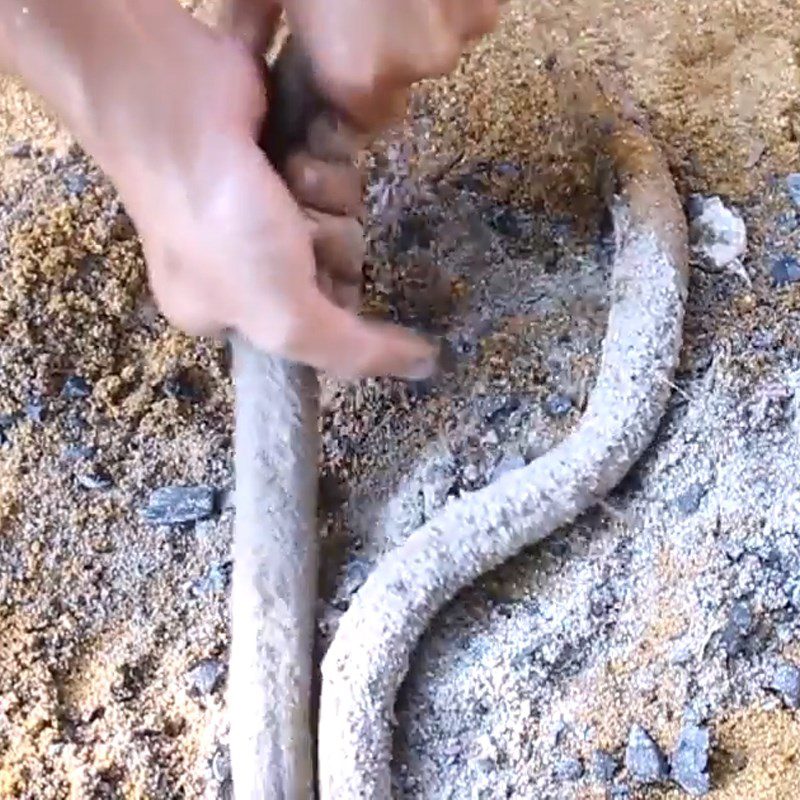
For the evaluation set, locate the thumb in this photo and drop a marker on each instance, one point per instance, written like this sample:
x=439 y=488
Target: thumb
x=339 y=343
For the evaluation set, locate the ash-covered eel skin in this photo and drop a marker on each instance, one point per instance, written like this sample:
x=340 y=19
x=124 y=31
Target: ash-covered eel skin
x=369 y=656
x=275 y=552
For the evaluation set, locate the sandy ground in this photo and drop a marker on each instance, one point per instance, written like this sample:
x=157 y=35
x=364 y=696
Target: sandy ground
x=678 y=601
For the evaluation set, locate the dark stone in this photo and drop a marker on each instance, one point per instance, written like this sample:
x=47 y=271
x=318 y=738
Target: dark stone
x=122 y=227
x=786 y=681
x=644 y=759
x=558 y=405
x=206 y=677
x=413 y=231
x=131 y=679
x=570 y=769
x=183 y=386
x=604 y=766
x=99 y=480
x=76 y=388
x=176 y=505
x=689 y=502
x=785 y=270
x=690 y=769
x=506 y=223
x=793 y=185
x=736 y=633
x=504 y=409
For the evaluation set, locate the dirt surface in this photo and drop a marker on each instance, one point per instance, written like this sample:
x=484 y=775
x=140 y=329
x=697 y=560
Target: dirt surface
x=677 y=602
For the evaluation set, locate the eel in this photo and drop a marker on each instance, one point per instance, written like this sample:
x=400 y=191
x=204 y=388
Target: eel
x=369 y=656
x=275 y=549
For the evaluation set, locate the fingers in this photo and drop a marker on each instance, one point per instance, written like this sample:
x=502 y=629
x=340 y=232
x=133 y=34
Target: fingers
x=345 y=346
x=327 y=186
x=339 y=246
x=330 y=138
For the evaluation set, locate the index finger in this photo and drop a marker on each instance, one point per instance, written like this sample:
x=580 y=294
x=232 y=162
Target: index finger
x=338 y=342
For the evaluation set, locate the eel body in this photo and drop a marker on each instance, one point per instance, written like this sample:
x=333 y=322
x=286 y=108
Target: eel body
x=369 y=656
x=273 y=593
x=275 y=548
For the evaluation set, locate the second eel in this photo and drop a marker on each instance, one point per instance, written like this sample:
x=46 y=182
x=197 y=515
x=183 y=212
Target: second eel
x=369 y=656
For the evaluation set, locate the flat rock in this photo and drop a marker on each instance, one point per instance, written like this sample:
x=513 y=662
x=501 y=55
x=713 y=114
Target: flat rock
x=690 y=761
x=644 y=759
x=177 y=505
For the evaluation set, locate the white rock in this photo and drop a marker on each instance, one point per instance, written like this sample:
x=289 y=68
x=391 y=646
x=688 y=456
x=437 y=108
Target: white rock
x=718 y=233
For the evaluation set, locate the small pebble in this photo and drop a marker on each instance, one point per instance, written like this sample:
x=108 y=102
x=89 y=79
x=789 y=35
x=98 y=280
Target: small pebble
x=206 y=677
x=786 y=681
x=35 y=411
x=558 y=405
x=785 y=270
x=736 y=633
x=793 y=185
x=690 y=761
x=604 y=766
x=644 y=759
x=176 y=505
x=570 y=769
x=689 y=502
x=76 y=388
x=99 y=480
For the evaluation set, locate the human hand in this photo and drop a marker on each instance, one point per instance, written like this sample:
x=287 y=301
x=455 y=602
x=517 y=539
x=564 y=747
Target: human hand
x=227 y=246
x=172 y=112
x=367 y=53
